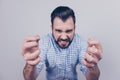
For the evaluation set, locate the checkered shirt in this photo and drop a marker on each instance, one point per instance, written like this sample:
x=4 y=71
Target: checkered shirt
x=61 y=63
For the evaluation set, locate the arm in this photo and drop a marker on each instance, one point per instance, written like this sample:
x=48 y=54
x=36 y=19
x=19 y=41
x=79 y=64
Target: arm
x=93 y=73
x=30 y=52
x=29 y=72
x=92 y=57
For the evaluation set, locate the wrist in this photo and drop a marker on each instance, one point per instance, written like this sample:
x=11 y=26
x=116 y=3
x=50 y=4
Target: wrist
x=29 y=72
x=93 y=67
x=92 y=73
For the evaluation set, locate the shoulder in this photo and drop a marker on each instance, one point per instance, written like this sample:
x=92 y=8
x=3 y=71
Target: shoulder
x=79 y=40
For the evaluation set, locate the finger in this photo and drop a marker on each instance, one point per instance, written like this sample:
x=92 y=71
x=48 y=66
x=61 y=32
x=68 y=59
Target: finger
x=91 y=59
x=38 y=37
x=88 y=57
x=94 y=52
x=92 y=49
x=33 y=49
x=27 y=47
x=32 y=38
x=30 y=44
x=31 y=56
x=34 y=62
x=94 y=42
x=87 y=64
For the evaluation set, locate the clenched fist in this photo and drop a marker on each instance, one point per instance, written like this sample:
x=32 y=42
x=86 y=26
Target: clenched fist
x=93 y=53
x=30 y=50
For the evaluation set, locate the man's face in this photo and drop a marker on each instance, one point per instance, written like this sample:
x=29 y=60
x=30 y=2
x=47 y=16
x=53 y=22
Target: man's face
x=63 y=31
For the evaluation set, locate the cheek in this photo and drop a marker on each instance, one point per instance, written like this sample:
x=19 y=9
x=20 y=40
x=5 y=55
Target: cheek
x=70 y=36
x=56 y=36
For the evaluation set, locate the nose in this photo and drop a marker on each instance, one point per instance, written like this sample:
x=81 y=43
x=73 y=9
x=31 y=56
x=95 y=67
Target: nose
x=64 y=36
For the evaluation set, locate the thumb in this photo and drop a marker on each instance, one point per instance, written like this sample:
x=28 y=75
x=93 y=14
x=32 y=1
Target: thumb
x=37 y=38
x=91 y=42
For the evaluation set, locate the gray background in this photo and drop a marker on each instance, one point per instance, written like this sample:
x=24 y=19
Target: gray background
x=99 y=19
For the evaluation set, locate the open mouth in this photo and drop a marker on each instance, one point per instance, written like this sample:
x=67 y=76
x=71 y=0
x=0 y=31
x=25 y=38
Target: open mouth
x=63 y=43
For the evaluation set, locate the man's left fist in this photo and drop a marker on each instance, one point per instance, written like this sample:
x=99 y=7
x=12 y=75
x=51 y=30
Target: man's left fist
x=93 y=53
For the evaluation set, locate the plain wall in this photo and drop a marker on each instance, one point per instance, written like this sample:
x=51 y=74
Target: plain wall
x=99 y=19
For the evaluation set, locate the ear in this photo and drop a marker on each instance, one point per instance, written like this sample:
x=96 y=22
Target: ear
x=51 y=28
x=74 y=26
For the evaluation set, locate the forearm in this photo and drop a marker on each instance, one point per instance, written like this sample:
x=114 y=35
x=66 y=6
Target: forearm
x=93 y=73
x=29 y=72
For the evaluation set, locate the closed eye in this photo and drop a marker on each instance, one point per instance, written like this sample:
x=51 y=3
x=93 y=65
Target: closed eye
x=68 y=31
x=57 y=30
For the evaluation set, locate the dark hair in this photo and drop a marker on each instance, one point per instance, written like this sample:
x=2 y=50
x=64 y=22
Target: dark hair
x=63 y=12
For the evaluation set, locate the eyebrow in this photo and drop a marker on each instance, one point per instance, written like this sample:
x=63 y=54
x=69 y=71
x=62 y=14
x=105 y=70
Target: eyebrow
x=69 y=30
x=58 y=30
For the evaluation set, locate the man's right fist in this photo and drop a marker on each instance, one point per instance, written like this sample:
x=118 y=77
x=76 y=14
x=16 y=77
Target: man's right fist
x=30 y=50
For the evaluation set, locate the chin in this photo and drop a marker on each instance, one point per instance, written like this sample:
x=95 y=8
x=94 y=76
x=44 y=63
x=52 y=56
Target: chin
x=63 y=47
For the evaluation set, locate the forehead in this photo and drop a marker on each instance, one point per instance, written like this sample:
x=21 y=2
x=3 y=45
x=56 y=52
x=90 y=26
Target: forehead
x=68 y=23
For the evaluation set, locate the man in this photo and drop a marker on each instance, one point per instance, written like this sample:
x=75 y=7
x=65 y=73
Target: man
x=61 y=51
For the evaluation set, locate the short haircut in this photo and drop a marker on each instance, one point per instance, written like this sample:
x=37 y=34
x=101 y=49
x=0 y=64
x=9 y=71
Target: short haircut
x=63 y=12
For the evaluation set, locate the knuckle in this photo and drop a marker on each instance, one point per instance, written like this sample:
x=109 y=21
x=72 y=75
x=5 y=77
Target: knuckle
x=39 y=51
x=91 y=60
x=25 y=58
x=26 y=38
x=34 y=43
x=96 y=50
x=24 y=46
x=23 y=52
x=35 y=62
x=29 y=62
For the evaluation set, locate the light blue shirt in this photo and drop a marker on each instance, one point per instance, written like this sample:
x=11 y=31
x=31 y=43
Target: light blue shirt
x=61 y=63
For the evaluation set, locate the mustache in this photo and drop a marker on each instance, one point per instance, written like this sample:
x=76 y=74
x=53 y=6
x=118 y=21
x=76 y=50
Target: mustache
x=67 y=39
x=63 y=40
